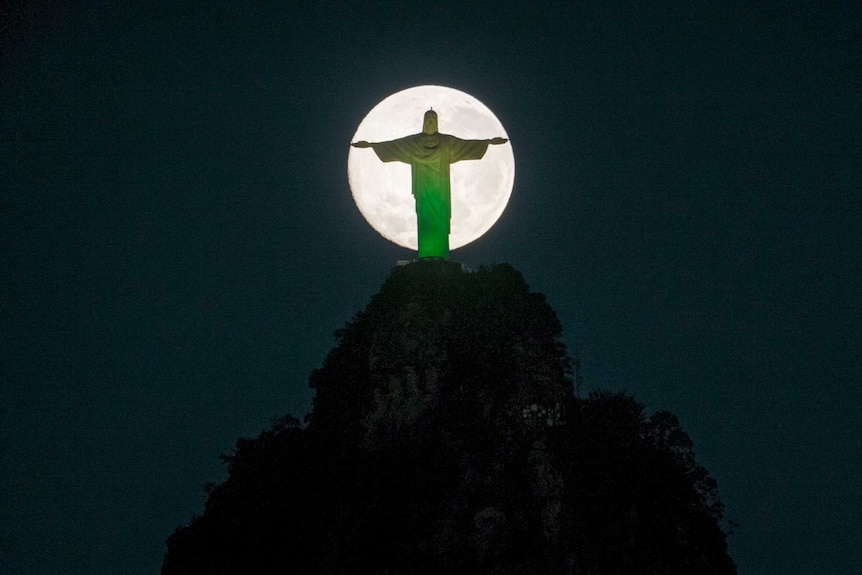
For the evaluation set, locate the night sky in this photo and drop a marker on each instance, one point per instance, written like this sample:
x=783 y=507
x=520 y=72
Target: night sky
x=179 y=242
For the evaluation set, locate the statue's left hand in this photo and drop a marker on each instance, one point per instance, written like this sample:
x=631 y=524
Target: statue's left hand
x=496 y=141
x=361 y=144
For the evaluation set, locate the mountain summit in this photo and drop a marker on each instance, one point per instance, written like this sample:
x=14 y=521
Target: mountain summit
x=445 y=438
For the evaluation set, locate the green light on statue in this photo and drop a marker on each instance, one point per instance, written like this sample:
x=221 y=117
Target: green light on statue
x=445 y=201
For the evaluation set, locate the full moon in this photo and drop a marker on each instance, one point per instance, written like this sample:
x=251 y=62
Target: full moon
x=480 y=188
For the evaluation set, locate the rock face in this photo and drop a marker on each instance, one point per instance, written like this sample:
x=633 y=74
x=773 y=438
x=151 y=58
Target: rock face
x=445 y=438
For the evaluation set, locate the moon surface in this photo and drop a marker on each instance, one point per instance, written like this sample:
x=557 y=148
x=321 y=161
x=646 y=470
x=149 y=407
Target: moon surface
x=480 y=188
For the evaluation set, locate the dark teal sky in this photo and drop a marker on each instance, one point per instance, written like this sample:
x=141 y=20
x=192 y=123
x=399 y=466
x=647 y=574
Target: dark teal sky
x=179 y=241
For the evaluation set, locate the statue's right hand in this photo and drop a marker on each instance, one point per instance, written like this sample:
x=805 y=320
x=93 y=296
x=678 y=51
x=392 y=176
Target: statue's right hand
x=361 y=144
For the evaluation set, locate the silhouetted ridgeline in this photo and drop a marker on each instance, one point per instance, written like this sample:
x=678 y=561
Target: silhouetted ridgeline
x=445 y=439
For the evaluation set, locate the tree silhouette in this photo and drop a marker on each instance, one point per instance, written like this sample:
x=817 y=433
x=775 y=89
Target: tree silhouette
x=445 y=438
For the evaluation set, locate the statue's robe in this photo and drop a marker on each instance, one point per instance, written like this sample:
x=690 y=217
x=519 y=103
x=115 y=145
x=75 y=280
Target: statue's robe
x=430 y=156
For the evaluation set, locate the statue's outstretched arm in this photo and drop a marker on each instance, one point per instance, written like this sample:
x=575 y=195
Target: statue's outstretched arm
x=497 y=141
x=391 y=151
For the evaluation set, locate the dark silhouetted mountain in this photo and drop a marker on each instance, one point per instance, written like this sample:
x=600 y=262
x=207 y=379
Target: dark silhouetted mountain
x=445 y=438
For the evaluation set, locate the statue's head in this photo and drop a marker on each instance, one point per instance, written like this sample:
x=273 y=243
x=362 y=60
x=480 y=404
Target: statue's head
x=429 y=126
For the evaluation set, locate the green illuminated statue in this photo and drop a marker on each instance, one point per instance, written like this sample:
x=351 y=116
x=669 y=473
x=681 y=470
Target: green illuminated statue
x=429 y=154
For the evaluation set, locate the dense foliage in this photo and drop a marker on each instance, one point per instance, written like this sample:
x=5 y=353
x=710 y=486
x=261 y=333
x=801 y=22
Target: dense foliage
x=445 y=438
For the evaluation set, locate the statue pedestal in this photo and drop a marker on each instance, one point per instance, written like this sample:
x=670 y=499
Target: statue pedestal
x=426 y=265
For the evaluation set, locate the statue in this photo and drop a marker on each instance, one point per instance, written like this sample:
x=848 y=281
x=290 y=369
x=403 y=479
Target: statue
x=429 y=154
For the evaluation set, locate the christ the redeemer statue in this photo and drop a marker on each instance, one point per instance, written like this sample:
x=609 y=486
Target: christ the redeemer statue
x=429 y=154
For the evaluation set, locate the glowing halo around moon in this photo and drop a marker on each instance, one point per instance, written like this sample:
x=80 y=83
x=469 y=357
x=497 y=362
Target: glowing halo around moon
x=480 y=188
